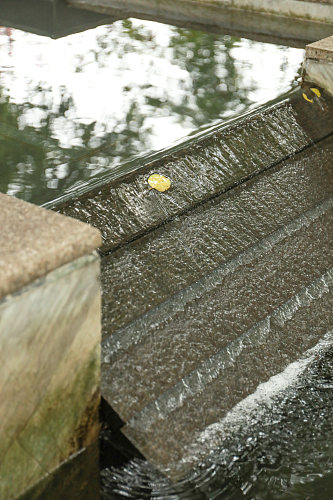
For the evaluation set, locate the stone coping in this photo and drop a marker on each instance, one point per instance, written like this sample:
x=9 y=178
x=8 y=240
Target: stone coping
x=35 y=241
x=321 y=50
x=294 y=9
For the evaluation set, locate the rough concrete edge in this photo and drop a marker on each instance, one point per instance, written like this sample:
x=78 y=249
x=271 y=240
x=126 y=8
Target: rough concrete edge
x=22 y=261
x=53 y=275
x=321 y=50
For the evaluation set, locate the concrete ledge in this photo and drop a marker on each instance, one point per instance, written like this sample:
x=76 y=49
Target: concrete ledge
x=297 y=9
x=321 y=50
x=50 y=329
x=35 y=241
x=318 y=64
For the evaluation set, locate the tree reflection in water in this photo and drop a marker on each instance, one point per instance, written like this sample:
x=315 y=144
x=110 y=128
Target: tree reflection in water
x=73 y=108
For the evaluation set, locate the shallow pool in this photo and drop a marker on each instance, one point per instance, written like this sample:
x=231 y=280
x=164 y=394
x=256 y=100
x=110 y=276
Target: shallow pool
x=72 y=109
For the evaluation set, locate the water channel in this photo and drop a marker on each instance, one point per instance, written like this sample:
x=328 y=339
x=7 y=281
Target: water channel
x=83 y=110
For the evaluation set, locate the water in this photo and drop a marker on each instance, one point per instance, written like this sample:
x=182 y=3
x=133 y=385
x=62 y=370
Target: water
x=201 y=310
x=276 y=445
x=73 y=109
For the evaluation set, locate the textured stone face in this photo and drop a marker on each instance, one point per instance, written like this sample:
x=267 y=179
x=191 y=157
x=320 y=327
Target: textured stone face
x=200 y=311
x=321 y=50
x=318 y=64
x=49 y=373
x=308 y=10
x=319 y=73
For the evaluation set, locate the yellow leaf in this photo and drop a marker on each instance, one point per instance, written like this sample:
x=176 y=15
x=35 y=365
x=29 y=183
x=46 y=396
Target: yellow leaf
x=316 y=91
x=306 y=98
x=159 y=182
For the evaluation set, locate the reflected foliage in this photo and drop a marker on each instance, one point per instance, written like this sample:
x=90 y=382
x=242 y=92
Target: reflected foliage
x=35 y=167
x=208 y=85
x=216 y=82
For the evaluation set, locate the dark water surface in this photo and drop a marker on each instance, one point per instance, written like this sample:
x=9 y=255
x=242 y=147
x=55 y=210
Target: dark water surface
x=72 y=109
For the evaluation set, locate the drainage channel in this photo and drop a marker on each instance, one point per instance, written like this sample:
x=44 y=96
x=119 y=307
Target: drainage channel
x=215 y=289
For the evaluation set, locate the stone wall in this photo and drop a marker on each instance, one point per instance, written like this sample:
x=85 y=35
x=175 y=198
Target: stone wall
x=173 y=9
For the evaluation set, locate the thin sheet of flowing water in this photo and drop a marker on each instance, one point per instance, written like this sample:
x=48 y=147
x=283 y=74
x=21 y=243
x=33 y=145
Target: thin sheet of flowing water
x=72 y=109
x=276 y=444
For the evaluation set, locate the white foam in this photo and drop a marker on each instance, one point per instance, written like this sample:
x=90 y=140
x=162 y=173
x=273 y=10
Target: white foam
x=255 y=405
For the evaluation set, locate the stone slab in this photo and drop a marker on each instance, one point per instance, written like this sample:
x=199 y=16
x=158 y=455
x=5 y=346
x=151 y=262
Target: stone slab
x=201 y=168
x=160 y=264
x=49 y=373
x=321 y=50
x=319 y=12
x=219 y=19
x=35 y=241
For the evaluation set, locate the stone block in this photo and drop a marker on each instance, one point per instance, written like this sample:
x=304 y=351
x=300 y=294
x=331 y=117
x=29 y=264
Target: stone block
x=49 y=342
x=294 y=9
x=321 y=50
x=318 y=64
x=50 y=370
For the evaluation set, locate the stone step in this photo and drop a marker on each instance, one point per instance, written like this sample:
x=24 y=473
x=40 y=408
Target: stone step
x=193 y=325
x=200 y=168
x=145 y=273
x=200 y=311
x=165 y=430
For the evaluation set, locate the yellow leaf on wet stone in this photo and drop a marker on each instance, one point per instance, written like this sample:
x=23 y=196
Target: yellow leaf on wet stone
x=306 y=98
x=316 y=91
x=159 y=182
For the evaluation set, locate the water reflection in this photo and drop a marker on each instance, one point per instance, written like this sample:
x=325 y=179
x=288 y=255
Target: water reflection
x=71 y=109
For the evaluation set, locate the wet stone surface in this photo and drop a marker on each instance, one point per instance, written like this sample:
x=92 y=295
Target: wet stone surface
x=179 y=253
x=125 y=209
x=233 y=292
x=276 y=446
x=219 y=283
x=213 y=312
x=267 y=350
